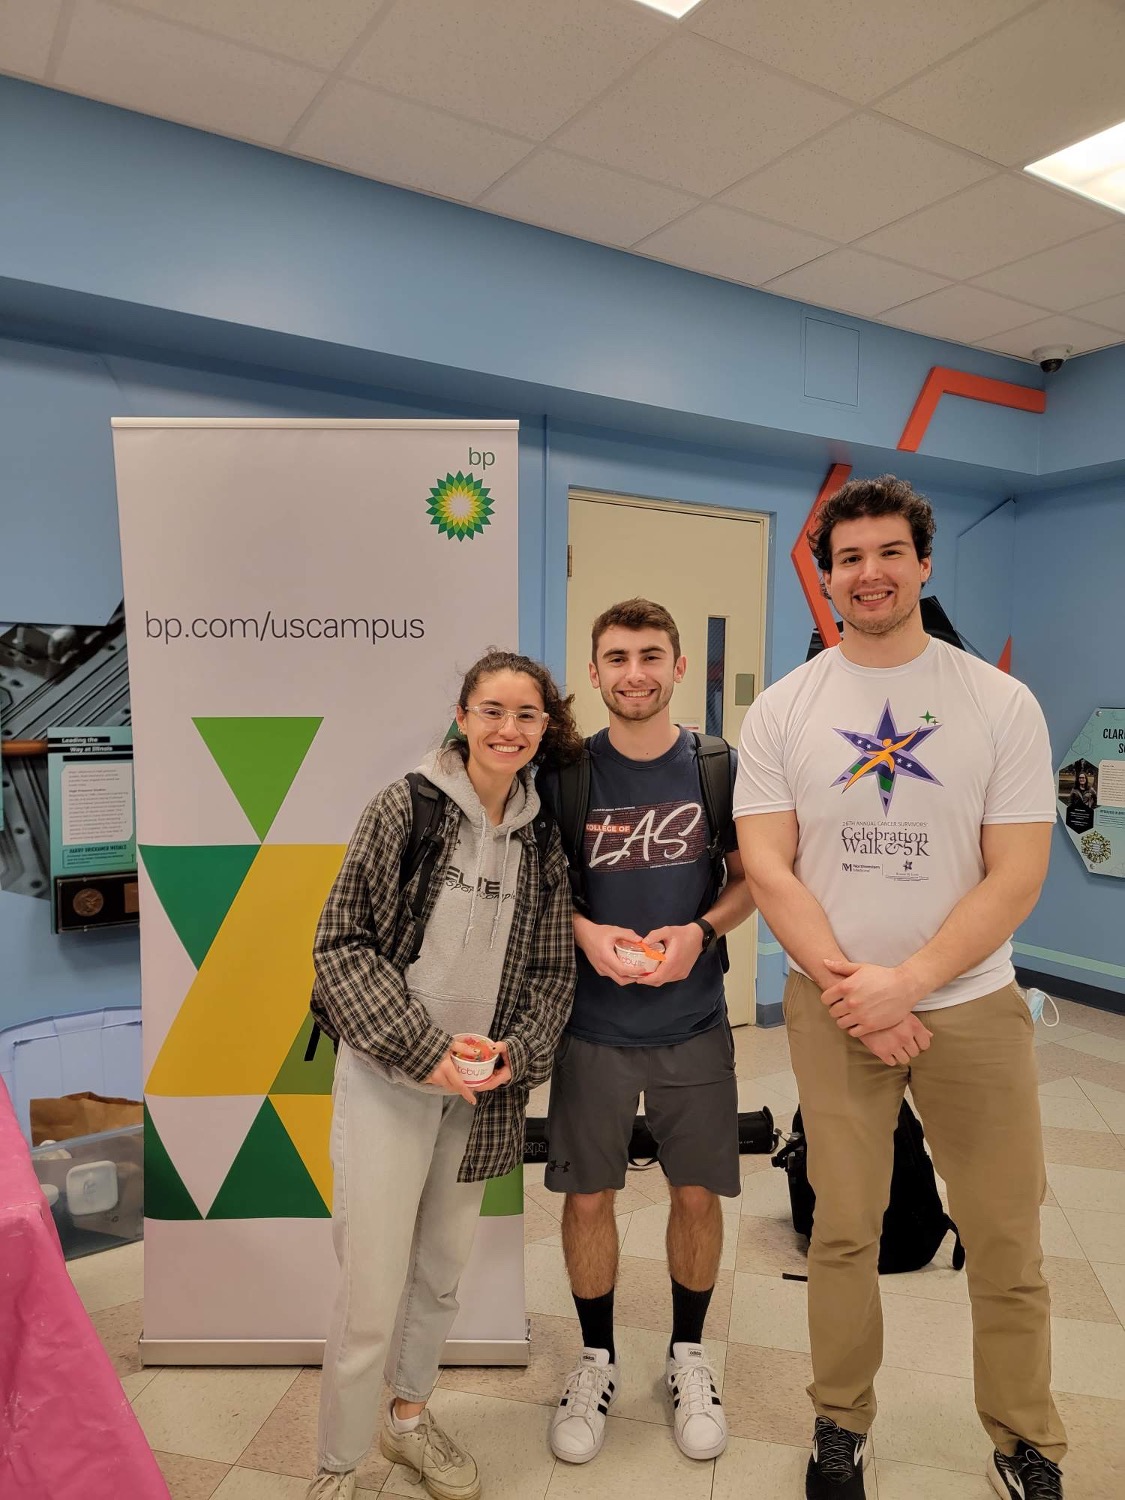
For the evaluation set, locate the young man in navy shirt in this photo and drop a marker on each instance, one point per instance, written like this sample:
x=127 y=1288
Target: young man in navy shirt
x=647 y=875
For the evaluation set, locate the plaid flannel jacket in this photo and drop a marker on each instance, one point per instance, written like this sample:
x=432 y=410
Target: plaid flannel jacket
x=362 y=944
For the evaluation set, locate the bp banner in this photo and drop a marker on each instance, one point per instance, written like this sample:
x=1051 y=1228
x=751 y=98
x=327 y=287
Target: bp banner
x=301 y=600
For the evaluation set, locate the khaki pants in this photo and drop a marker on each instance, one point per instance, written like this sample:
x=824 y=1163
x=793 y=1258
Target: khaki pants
x=976 y=1090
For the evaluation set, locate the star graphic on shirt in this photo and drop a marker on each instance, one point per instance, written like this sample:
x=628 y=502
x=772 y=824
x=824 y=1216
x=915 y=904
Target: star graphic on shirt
x=928 y=717
x=886 y=754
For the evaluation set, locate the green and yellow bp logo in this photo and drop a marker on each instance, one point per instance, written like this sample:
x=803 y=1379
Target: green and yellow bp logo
x=460 y=506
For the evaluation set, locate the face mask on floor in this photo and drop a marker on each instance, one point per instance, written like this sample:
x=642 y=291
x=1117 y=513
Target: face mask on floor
x=1036 y=1000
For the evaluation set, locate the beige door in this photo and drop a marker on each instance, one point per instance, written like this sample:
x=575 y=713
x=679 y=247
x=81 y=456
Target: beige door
x=708 y=567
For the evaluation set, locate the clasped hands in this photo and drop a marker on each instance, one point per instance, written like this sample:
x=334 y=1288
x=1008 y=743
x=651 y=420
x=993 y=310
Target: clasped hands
x=875 y=1005
x=682 y=946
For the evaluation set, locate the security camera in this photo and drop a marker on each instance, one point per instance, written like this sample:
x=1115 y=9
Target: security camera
x=1052 y=357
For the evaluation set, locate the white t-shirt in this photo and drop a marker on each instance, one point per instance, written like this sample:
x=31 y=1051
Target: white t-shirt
x=892 y=771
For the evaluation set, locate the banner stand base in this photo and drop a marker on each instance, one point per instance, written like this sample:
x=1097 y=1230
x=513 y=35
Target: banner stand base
x=311 y=1351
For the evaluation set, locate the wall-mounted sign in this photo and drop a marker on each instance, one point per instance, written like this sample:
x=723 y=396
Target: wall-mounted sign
x=1091 y=792
x=93 y=831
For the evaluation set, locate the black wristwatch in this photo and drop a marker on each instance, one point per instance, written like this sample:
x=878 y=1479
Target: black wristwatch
x=709 y=933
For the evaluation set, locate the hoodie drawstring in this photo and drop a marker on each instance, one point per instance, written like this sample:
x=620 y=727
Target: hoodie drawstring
x=503 y=882
x=477 y=878
x=485 y=833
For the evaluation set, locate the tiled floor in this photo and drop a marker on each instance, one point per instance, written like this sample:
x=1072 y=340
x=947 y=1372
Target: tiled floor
x=248 y=1434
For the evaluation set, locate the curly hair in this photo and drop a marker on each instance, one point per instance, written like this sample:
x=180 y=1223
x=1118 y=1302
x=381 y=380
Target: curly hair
x=634 y=614
x=885 y=496
x=562 y=741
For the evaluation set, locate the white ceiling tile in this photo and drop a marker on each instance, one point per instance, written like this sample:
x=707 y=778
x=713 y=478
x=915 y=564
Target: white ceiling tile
x=579 y=197
x=317 y=34
x=861 y=174
x=1069 y=276
x=143 y=63
x=398 y=141
x=963 y=313
x=723 y=242
x=521 y=65
x=1049 y=79
x=855 y=283
x=988 y=225
x=26 y=29
x=858 y=48
x=1054 y=330
x=1110 y=312
x=698 y=117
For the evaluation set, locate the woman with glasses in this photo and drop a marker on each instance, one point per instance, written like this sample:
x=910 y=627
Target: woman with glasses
x=412 y=1142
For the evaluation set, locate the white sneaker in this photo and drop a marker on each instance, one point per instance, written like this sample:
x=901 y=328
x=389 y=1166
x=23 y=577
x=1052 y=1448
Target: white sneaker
x=699 y=1422
x=578 y=1426
x=328 y=1486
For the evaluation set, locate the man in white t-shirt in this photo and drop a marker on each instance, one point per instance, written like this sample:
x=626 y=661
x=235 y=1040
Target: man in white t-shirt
x=894 y=806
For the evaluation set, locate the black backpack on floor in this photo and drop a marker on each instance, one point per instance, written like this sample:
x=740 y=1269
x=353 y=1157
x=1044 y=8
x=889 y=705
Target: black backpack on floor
x=756 y=1134
x=915 y=1222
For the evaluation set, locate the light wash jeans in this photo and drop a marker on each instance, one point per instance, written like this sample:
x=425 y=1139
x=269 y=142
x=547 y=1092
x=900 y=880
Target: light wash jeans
x=403 y=1228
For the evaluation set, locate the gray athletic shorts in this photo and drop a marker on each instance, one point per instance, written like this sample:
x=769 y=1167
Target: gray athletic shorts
x=690 y=1101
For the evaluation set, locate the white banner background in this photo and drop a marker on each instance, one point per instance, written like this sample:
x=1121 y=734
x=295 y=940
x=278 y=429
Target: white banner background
x=263 y=522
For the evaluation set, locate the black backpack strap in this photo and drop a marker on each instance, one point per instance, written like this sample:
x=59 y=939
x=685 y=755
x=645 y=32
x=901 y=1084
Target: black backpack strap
x=713 y=756
x=541 y=828
x=573 y=783
x=421 y=851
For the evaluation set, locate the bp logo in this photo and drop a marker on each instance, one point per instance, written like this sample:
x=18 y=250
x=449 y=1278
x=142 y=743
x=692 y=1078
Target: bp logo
x=460 y=506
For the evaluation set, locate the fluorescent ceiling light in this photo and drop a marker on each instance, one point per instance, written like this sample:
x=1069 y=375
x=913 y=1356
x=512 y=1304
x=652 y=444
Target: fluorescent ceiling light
x=1094 y=167
x=676 y=8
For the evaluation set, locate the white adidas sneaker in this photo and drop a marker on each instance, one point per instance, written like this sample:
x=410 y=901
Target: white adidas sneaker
x=699 y=1422
x=578 y=1426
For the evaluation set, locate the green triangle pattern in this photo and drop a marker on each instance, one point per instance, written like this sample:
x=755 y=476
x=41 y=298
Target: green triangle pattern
x=503 y=1196
x=259 y=759
x=300 y=1077
x=197 y=884
x=268 y=1179
x=166 y=1197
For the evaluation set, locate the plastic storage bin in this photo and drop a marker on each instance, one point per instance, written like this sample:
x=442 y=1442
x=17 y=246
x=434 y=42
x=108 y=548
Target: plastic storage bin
x=98 y=1050
x=95 y=1186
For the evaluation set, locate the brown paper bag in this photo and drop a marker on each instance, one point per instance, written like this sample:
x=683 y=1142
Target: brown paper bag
x=81 y=1114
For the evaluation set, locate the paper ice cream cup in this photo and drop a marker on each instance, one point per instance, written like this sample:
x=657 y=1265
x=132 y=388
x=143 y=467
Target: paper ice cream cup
x=639 y=956
x=475 y=1057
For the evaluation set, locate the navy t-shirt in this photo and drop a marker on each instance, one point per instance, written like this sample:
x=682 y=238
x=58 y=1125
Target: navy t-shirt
x=645 y=855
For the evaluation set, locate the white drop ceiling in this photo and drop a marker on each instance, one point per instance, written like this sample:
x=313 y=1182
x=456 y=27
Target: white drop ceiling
x=860 y=155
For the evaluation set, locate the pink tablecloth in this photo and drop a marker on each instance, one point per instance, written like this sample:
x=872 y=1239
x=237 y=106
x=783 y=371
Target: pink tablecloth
x=66 y=1428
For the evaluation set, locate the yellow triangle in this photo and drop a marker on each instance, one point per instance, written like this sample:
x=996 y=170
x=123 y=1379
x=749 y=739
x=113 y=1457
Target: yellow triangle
x=307 y=1118
x=237 y=1022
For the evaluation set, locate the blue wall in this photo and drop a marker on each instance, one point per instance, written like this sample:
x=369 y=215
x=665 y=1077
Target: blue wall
x=150 y=269
x=55 y=456
x=1070 y=546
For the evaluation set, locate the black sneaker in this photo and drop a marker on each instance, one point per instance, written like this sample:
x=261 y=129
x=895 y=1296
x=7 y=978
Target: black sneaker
x=835 y=1469
x=1026 y=1476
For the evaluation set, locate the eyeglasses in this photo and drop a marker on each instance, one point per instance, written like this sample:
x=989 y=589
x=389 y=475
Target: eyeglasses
x=530 y=720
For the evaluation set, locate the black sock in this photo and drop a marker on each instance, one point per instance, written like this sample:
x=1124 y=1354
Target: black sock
x=689 y=1309
x=596 y=1316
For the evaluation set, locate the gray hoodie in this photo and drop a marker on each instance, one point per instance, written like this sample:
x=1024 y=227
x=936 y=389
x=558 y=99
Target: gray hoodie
x=457 y=974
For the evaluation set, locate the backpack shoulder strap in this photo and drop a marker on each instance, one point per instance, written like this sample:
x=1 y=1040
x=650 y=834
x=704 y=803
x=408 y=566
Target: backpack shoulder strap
x=713 y=754
x=573 y=783
x=541 y=828
x=421 y=850
x=422 y=847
